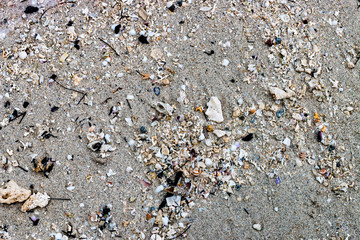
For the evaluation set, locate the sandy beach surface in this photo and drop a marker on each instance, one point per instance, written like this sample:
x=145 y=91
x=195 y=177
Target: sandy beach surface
x=151 y=119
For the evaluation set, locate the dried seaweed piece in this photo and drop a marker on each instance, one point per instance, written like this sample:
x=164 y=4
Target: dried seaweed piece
x=45 y=165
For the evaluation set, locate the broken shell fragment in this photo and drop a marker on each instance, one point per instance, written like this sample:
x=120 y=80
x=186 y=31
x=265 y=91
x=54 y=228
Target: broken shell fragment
x=36 y=200
x=11 y=193
x=281 y=94
x=214 y=111
x=164 y=108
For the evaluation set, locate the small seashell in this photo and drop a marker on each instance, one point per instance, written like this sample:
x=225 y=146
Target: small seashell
x=196 y=171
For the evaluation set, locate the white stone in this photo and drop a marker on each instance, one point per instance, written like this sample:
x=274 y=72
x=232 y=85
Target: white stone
x=22 y=55
x=208 y=162
x=287 y=141
x=225 y=62
x=257 y=227
x=132 y=32
x=214 y=111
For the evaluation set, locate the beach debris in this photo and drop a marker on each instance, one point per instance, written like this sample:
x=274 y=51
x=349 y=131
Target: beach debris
x=99 y=143
x=156 y=53
x=12 y=193
x=281 y=94
x=45 y=165
x=257 y=226
x=164 y=108
x=34 y=201
x=214 y=111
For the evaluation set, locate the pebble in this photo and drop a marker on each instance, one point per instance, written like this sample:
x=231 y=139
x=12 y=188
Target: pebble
x=63 y=57
x=208 y=162
x=22 y=55
x=143 y=129
x=132 y=32
x=287 y=141
x=279 y=113
x=350 y=65
x=225 y=62
x=257 y=227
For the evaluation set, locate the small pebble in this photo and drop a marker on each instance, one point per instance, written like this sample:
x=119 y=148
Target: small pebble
x=248 y=137
x=132 y=32
x=143 y=129
x=143 y=39
x=279 y=113
x=277 y=40
x=31 y=9
x=22 y=55
x=26 y=104
x=257 y=227
x=225 y=62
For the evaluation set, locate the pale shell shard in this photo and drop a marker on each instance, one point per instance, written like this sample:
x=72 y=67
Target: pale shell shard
x=36 y=200
x=11 y=193
x=281 y=94
x=164 y=108
x=214 y=111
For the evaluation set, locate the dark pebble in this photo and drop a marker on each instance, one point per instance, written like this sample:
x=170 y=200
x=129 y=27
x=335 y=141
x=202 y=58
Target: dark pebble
x=182 y=22
x=70 y=23
x=31 y=9
x=117 y=29
x=54 y=109
x=319 y=136
x=331 y=148
x=277 y=40
x=179 y=3
x=279 y=113
x=269 y=42
x=143 y=129
x=54 y=76
x=338 y=164
x=172 y=8
x=157 y=91
x=248 y=137
x=143 y=39
x=7 y=104
x=26 y=104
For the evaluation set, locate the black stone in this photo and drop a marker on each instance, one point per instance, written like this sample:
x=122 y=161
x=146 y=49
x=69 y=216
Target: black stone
x=31 y=9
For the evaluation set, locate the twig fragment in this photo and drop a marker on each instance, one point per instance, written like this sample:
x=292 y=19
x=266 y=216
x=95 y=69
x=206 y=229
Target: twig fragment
x=109 y=46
